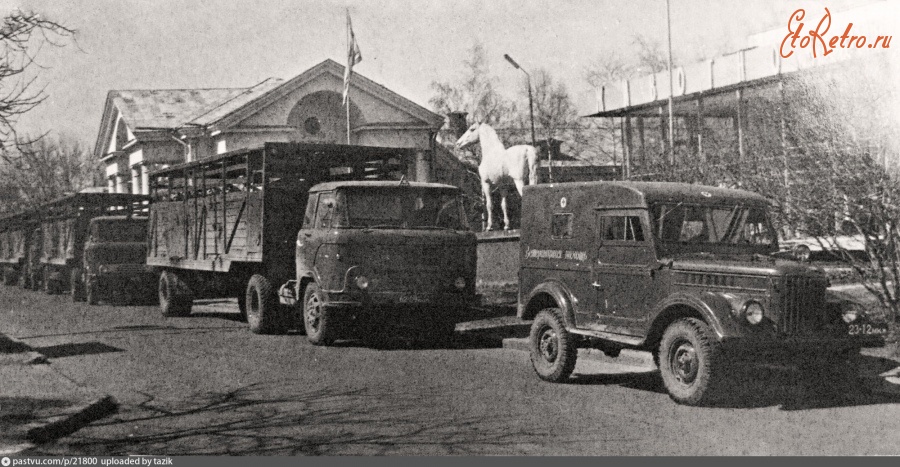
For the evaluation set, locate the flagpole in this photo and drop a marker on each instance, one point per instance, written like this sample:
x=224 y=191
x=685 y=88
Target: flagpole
x=345 y=71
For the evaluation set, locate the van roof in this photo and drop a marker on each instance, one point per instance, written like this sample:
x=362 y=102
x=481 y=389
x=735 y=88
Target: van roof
x=327 y=186
x=639 y=194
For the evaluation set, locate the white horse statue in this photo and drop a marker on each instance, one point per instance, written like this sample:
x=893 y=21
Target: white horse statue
x=499 y=165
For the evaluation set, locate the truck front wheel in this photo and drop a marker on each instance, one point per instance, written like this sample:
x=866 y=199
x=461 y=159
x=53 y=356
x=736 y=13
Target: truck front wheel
x=263 y=313
x=553 y=349
x=689 y=361
x=316 y=318
x=175 y=298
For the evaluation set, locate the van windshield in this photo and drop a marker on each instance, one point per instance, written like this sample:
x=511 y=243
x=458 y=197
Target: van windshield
x=119 y=231
x=399 y=207
x=699 y=224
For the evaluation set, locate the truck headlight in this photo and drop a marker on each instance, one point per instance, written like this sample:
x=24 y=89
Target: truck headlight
x=460 y=283
x=104 y=269
x=850 y=314
x=753 y=312
x=362 y=282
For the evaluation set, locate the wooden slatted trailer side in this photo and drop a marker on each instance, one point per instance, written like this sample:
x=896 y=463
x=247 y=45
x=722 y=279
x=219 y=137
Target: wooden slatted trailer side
x=64 y=227
x=218 y=223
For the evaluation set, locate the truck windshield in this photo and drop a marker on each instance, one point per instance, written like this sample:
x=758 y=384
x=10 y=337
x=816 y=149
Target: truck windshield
x=400 y=207
x=121 y=231
x=732 y=225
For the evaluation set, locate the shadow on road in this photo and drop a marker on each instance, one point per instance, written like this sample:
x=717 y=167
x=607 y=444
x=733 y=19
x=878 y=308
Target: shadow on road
x=756 y=387
x=73 y=349
x=277 y=419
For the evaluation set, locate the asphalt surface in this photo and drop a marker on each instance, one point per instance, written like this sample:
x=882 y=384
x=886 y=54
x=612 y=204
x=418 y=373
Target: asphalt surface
x=205 y=385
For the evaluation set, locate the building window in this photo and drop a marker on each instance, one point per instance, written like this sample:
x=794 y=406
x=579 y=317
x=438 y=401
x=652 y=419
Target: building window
x=221 y=147
x=312 y=125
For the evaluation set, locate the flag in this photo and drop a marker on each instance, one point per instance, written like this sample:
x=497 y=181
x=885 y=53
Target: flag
x=354 y=56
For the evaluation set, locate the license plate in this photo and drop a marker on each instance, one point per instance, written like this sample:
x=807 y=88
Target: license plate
x=413 y=299
x=867 y=329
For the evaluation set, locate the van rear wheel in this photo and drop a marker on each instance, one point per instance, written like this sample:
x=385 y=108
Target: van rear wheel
x=553 y=349
x=263 y=311
x=175 y=298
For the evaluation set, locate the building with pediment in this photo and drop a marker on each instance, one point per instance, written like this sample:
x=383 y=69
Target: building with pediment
x=143 y=130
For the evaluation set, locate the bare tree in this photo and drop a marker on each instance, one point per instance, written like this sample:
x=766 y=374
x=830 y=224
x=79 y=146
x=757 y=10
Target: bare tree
x=474 y=93
x=22 y=36
x=42 y=169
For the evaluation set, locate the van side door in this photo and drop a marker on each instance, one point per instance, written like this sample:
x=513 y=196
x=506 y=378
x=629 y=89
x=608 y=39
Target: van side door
x=623 y=273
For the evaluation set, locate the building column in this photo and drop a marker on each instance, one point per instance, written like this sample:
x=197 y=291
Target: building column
x=136 y=179
x=423 y=167
x=145 y=180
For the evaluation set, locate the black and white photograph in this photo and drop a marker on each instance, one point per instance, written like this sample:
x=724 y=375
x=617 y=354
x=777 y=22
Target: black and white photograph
x=461 y=228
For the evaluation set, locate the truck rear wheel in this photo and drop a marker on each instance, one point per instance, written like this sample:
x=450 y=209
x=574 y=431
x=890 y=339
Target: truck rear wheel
x=316 y=318
x=263 y=311
x=76 y=285
x=689 y=361
x=175 y=298
x=553 y=349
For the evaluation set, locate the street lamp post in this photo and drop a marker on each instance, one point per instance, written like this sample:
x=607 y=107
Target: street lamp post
x=531 y=113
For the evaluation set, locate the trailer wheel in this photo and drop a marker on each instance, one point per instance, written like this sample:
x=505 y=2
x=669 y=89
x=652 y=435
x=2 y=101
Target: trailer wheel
x=9 y=276
x=263 y=311
x=90 y=293
x=51 y=286
x=76 y=285
x=175 y=298
x=242 y=305
x=316 y=318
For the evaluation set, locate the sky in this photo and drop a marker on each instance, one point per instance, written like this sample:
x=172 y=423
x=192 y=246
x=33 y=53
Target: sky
x=406 y=45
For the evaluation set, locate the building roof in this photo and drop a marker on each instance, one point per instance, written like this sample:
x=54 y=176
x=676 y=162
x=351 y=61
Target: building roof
x=168 y=108
x=213 y=109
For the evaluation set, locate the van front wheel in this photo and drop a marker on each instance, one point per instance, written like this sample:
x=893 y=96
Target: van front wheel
x=689 y=361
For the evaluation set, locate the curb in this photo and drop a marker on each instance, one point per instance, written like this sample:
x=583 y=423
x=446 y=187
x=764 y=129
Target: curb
x=74 y=419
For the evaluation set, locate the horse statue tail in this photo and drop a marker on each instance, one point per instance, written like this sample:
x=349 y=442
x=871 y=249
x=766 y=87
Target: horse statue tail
x=532 y=155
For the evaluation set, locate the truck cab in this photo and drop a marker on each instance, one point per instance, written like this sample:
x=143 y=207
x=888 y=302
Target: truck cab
x=683 y=271
x=114 y=260
x=375 y=253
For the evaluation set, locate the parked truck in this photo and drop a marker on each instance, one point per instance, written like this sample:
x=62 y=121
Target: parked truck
x=685 y=272
x=86 y=236
x=228 y=226
x=372 y=256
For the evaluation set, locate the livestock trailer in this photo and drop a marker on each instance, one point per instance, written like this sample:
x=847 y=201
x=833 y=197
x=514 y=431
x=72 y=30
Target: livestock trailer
x=217 y=222
x=15 y=234
x=64 y=227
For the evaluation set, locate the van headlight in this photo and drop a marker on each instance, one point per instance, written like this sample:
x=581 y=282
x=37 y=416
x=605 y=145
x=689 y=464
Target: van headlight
x=850 y=313
x=753 y=312
x=460 y=283
x=362 y=282
x=104 y=269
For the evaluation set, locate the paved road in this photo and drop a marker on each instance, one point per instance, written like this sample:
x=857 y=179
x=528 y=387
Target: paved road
x=205 y=385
